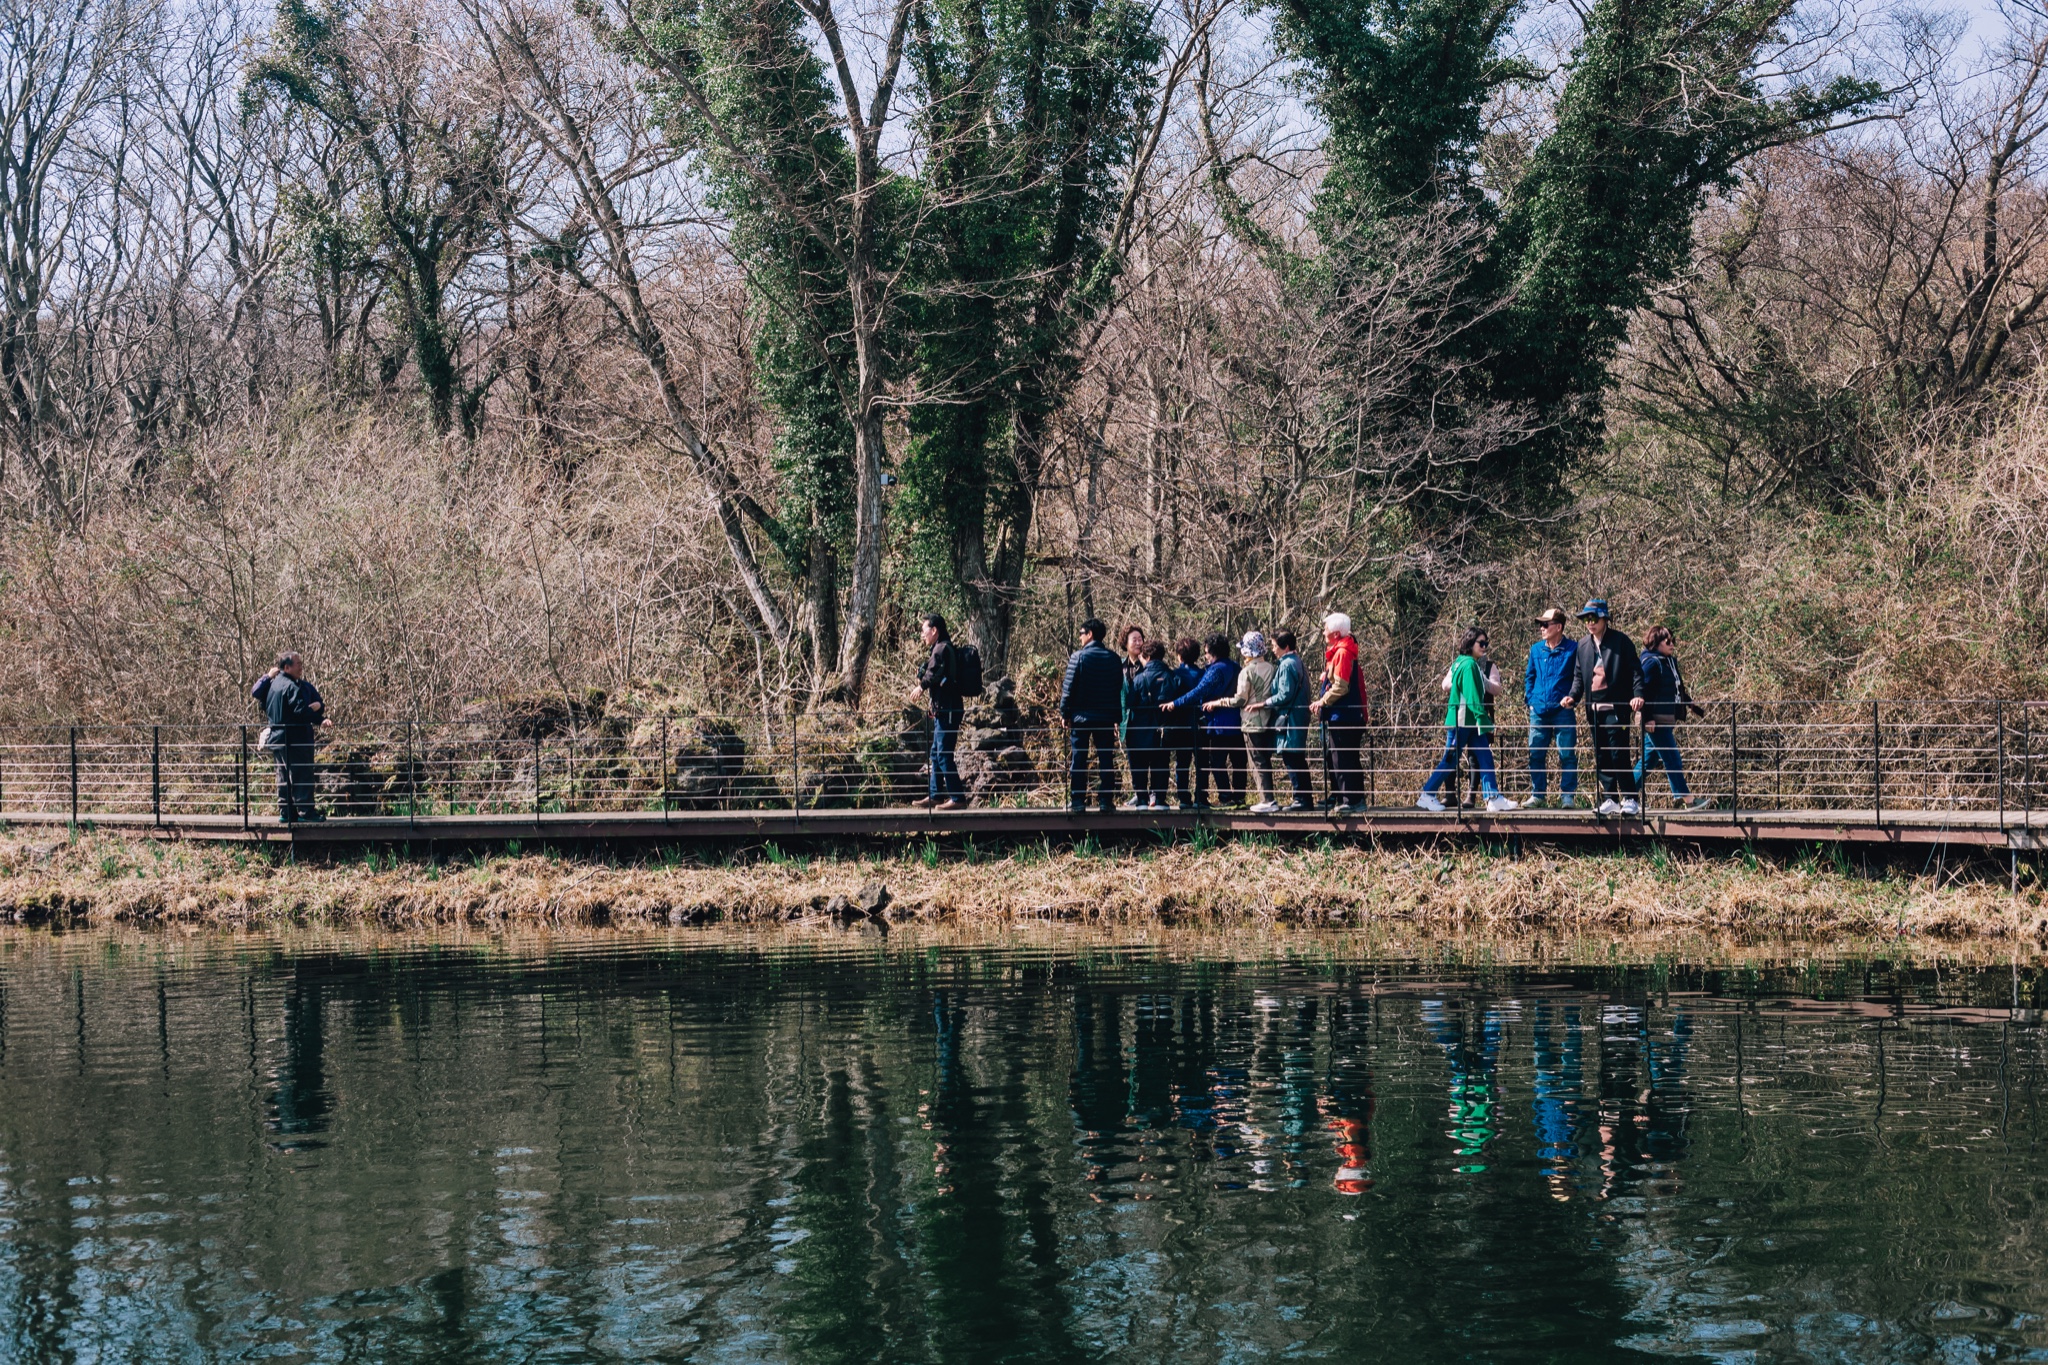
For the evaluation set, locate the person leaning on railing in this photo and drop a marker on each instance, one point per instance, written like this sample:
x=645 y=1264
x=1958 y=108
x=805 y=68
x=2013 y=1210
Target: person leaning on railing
x=1092 y=703
x=938 y=677
x=294 y=709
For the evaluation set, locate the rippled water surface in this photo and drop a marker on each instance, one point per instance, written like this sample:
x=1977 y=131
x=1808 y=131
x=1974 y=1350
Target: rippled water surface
x=706 y=1149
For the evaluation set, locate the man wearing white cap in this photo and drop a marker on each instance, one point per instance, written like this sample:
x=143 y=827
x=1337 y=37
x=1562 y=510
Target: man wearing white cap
x=1342 y=710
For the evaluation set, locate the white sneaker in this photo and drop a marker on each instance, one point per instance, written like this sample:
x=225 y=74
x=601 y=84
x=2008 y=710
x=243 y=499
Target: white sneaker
x=1341 y=808
x=1608 y=806
x=1428 y=802
x=1499 y=804
x=1263 y=808
x=1630 y=806
x=1535 y=803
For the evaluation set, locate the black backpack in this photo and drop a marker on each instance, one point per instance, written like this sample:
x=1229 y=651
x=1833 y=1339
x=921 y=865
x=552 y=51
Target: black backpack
x=967 y=670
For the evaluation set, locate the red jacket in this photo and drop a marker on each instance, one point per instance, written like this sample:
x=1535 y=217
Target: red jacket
x=1343 y=687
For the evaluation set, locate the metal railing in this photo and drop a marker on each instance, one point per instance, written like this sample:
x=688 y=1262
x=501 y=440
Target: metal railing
x=1874 y=759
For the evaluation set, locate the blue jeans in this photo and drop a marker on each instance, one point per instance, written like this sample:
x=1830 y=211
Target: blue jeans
x=1082 y=733
x=1457 y=740
x=946 y=784
x=1558 y=723
x=1660 y=748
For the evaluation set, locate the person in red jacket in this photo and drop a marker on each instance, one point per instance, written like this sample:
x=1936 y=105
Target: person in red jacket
x=1342 y=709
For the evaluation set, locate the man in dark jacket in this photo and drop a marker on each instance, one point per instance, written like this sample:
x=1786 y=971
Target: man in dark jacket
x=939 y=678
x=1606 y=681
x=294 y=708
x=1091 y=703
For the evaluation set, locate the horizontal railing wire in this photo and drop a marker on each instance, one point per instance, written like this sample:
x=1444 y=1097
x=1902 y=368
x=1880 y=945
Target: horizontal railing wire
x=1864 y=759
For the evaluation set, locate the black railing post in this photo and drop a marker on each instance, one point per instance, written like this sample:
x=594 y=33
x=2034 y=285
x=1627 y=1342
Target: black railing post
x=796 y=775
x=1998 y=723
x=1734 y=764
x=74 y=775
x=412 y=782
x=536 y=773
x=664 y=769
x=245 y=776
x=1876 y=767
x=156 y=773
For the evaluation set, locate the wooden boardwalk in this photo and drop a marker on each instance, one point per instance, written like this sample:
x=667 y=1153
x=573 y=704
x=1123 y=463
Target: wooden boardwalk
x=2012 y=829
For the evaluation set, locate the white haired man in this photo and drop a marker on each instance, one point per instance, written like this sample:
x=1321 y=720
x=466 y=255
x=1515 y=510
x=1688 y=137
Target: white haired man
x=1342 y=709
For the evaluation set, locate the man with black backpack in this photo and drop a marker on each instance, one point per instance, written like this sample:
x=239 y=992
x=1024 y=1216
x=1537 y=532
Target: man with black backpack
x=949 y=676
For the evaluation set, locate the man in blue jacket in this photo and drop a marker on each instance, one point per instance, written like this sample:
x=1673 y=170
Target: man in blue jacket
x=1092 y=703
x=1546 y=684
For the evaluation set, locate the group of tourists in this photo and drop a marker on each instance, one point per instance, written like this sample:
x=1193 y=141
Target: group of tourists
x=1224 y=730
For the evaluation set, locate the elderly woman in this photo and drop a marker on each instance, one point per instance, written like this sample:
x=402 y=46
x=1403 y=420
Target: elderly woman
x=1254 y=683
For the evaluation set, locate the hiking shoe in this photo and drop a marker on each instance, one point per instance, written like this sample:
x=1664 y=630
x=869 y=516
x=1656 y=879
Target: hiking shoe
x=1428 y=802
x=1135 y=803
x=1609 y=806
x=1631 y=806
x=1342 y=808
x=1499 y=804
x=1297 y=808
x=1264 y=808
x=954 y=803
x=925 y=802
x=1697 y=803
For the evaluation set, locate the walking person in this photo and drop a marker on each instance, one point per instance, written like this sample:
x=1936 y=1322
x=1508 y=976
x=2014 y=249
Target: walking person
x=1665 y=702
x=1144 y=740
x=294 y=709
x=939 y=678
x=1255 y=722
x=1547 y=689
x=1183 y=729
x=1604 y=680
x=1091 y=703
x=1342 y=709
x=1468 y=725
x=1287 y=706
x=1219 y=745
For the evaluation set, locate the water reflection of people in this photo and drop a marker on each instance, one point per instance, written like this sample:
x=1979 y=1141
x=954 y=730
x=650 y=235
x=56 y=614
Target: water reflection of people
x=1559 y=1075
x=1348 y=1099
x=1472 y=1075
x=298 y=1102
x=1643 y=1117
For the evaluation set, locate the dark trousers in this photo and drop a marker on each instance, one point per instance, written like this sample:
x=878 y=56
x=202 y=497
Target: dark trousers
x=1221 y=765
x=1081 y=735
x=945 y=783
x=1183 y=742
x=1148 y=758
x=1613 y=755
x=1346 y=730
x=294 y=780
x=1295 y=760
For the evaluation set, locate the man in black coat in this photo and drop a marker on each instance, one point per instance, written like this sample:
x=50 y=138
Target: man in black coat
x=1091 y=703
x=294 y=708
x=1606 y=680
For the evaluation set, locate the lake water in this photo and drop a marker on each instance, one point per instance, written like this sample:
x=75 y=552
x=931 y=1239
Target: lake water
x=679 y=1148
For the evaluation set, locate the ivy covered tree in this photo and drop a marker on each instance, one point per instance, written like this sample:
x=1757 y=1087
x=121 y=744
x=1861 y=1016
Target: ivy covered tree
x=1659 y=104
x=1030 y=115
x=416 y=182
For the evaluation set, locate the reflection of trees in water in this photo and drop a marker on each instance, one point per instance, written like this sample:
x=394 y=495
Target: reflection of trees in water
x=674 y=1157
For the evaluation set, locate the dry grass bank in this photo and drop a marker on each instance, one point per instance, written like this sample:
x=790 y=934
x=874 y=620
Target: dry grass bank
x=101 y=880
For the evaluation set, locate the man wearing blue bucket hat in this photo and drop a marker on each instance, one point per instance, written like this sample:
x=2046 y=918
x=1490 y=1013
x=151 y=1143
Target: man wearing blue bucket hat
x=1606 y=682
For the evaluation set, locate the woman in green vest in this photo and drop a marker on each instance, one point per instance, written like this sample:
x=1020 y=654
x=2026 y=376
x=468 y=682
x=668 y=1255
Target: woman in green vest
x=1468 y=724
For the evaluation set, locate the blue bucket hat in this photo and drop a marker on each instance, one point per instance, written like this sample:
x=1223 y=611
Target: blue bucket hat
x=1596 y=607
